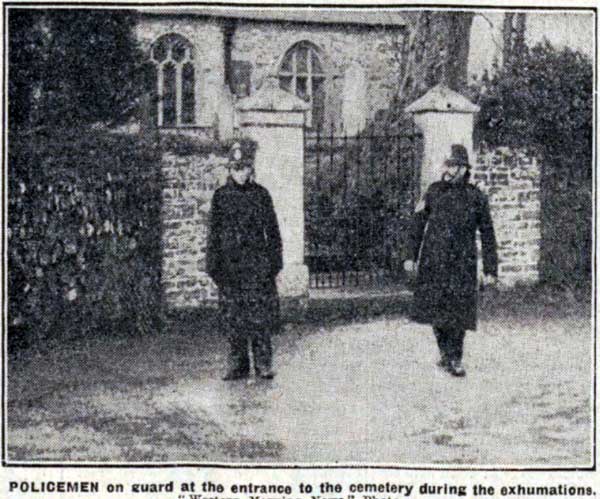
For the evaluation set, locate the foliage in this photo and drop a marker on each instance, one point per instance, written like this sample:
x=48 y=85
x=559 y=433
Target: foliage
x=360 y=199
x=83 y=233
x=24 y=56
x=73 y=66
x=544 y=98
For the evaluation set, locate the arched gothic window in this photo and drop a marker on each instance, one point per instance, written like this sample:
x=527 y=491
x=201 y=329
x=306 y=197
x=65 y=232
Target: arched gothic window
x=175 y=80
x=302 y=74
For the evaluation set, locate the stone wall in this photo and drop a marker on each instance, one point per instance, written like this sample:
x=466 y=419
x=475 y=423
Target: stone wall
x=355 y=59
x=362 y=63
x=189 y=183
x=367 y=65
x=511 y=178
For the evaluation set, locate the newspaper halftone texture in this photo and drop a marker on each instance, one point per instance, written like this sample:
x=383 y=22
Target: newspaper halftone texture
x=401 y=279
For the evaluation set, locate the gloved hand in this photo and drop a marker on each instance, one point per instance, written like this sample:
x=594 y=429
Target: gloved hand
x=489 y=280
x=410 y=266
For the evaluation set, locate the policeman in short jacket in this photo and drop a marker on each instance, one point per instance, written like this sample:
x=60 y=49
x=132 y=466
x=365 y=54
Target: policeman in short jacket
x=444 y=244
x=244 y=256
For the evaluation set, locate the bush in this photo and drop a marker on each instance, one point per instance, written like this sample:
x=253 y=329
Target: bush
x=544 y=98
x=84 y=252
x=74 y=66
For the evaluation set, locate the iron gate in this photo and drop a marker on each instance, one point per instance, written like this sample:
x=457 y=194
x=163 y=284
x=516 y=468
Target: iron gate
x=359 y=199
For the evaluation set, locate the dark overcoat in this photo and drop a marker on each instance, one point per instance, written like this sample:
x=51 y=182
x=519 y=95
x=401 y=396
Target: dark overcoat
x=444 y=245
x=244 y=255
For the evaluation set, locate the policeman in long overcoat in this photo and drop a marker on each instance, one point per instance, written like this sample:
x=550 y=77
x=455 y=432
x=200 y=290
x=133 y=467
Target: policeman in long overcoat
x=244 y=256
x=444 y=245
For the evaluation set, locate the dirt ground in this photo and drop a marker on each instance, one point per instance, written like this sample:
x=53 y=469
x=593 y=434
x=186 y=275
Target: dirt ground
x=349 y=391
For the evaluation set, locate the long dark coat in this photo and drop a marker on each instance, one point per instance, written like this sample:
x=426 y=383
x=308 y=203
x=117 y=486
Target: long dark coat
x=444 y=246
x=244 y=255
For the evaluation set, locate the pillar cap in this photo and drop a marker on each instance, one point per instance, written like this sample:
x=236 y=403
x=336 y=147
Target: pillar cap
x=270 y=97
x=442 y=99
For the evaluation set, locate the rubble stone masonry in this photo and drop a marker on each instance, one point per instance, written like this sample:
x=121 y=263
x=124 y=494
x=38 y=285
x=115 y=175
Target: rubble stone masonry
x=189 y=183
x=374 y=51
x=362 y=64
x=511 y=179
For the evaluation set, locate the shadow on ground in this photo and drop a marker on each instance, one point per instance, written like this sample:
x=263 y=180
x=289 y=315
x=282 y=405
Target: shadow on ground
x=356 y=383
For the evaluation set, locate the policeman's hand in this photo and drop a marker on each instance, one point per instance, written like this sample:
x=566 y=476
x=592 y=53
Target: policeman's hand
x=490 y=280
x=409 y=266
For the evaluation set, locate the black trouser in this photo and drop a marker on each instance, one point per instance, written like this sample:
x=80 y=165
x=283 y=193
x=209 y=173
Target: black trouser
x=250 y=315
x=450 y=341
x=260 y=342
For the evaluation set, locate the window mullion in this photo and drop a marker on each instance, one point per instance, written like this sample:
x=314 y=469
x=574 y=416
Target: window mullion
x=160 y=89
x=178 y=93
x=309 y=75
x=294 y=72
x=309 y=56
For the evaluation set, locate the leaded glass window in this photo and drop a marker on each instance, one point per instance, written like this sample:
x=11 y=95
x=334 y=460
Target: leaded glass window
x=175 y=75
x=301 y=73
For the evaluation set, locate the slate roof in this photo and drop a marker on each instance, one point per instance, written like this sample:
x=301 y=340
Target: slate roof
x=367 y=16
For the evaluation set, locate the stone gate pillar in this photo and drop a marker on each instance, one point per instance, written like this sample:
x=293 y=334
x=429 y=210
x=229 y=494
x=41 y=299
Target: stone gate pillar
x=275 y=120
x=445 y=117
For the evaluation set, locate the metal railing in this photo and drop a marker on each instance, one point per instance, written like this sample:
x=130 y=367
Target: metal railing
x=359 y=200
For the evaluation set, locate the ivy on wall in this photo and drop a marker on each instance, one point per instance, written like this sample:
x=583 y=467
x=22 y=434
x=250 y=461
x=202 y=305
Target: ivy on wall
x=83 y=234
x=85 y=231
x=544 y=98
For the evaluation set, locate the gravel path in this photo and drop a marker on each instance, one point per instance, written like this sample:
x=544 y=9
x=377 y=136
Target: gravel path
x=354 y=393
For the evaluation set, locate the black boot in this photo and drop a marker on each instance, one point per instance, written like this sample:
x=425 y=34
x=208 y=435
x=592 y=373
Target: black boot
x=441 y=337
x=263 y=354
x=234 y=374
x=456 y=368
x=456 y=342
x=239 y=360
